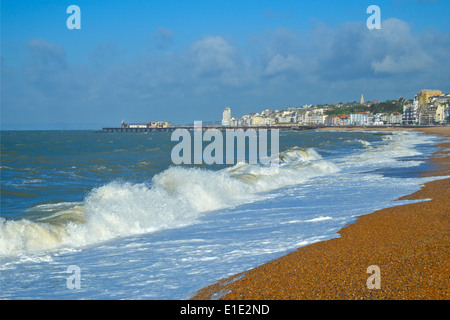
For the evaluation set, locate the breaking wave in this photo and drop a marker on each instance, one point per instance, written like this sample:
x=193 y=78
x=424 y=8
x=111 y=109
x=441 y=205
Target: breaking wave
x=398 y=144
x=174 y=198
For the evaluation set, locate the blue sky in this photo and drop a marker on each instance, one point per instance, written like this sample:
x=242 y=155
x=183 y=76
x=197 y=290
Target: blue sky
x=182 y=61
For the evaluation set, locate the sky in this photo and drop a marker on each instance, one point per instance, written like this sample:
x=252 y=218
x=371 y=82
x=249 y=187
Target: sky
x=183 y=61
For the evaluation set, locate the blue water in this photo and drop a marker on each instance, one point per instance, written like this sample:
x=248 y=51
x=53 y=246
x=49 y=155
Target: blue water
x=139 y=227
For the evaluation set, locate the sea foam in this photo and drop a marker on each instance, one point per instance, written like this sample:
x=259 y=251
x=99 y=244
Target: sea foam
x=176 y=197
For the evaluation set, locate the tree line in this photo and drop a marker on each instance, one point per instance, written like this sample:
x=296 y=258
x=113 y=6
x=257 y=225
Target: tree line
x=389 y=106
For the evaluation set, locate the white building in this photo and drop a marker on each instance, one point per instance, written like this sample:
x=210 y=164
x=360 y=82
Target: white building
x=286 y=117
x=226 y=118
x=303 y=117
x=258 y=120
x=270 y=121
x=317 y=117
x=411 y=112
x=395 y=118
x=359 y=119
x=246 y=120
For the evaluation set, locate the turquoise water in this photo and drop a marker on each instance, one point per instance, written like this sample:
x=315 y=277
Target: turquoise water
x=140 y=227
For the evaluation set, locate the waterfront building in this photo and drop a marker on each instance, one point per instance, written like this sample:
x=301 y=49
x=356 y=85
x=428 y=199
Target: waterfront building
x=442 y=104
x=317 y=117
x=384 y=117
x=302 y=117
x=258 y=120
x=377 y=122
x=226 y=118
x=410 y=115
x=428 y=102
x=345 y=119
x=440 y=115
x=377 y=119
x=395 y=118
x=425 y=94
x=332 y=120
x=359 y=119
x=270 y=121
x=428 y=117
x=285 y=117
x=246 y=120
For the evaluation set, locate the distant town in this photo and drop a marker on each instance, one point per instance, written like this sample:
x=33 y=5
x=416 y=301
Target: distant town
x=428 y=108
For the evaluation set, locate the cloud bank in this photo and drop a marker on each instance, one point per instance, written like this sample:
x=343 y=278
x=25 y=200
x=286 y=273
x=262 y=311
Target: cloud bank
x=276 y=68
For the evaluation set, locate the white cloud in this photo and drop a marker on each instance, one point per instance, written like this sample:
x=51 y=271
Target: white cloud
x=402 y=64
x=279 y=64
x=212 y=55
x=402 y=52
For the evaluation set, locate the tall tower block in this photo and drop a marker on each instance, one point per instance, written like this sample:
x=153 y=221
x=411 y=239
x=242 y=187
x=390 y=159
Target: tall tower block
x=226 y=119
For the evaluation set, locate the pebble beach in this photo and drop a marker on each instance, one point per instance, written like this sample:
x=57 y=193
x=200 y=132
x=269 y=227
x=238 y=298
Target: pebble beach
x=409 y=244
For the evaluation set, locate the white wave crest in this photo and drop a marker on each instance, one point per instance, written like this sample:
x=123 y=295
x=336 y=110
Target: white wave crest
x=176 y=197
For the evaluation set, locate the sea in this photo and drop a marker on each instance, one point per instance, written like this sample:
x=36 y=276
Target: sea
x=97 y=215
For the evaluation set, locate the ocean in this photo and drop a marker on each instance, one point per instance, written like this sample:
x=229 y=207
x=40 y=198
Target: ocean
x=95 y=215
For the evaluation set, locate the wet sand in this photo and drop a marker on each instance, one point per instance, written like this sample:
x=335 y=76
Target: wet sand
x=410 y=244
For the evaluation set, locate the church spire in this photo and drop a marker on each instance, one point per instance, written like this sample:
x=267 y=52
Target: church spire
x=362 y=99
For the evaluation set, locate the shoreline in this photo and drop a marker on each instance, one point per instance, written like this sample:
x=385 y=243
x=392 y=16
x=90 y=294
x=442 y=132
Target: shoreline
x=409 y=243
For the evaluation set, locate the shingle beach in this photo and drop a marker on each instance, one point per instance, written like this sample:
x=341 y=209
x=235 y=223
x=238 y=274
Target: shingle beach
x=410 y=245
